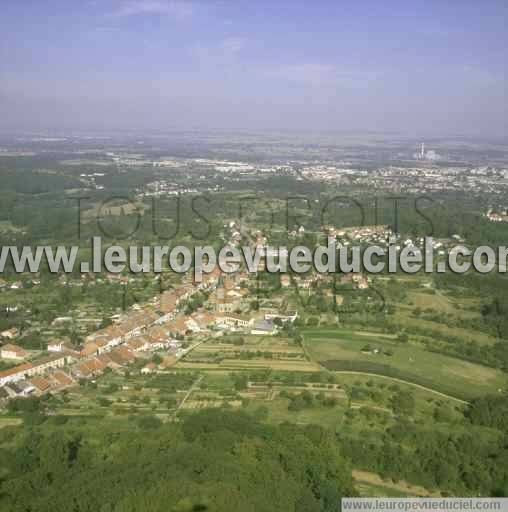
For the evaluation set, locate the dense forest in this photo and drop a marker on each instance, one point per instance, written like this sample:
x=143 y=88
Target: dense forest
x=220 y=460
x=214 y=461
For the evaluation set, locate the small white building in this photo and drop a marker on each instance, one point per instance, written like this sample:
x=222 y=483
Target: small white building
x=13 y=352
x=233 y=321
x=56 y=346
x=290 y=316
x=10 y=333
x=149 y=368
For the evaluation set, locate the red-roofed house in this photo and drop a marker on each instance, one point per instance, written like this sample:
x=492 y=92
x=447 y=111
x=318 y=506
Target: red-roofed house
x=14 y=352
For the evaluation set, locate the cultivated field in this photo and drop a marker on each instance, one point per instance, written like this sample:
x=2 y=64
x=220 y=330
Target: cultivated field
x=251 y=364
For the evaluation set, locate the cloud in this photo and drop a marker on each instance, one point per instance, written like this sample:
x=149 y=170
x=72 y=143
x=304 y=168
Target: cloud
x=220 y=53
x=233 y=45
x=480 y=77
x=174 y=8
x=317 y=74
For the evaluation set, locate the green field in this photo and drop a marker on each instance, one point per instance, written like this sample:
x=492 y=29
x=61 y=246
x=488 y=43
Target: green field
x=333 y=348
x=278 y=413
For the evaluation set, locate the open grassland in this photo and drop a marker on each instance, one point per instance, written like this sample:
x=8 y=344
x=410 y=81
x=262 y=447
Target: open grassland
x=335 y=348
x=428 y=298
x=9 y=422
x=407 y=294
x=371 y=484
x=373 y=334
x=277 y=412
x=7 y=226
x=437 y=299
x=115 y=208
x=406 y=321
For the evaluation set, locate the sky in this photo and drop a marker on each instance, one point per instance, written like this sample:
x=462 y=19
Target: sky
x=405 y=67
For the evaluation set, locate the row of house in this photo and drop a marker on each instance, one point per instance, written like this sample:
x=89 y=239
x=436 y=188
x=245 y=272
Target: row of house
x=143 y=330
x=128 y=327
x=38 y=385
x=147 y=330
x=38 y=367
x=94 y=366
x=498 y=216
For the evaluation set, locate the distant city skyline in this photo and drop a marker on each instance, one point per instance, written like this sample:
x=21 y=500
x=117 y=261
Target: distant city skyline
x=419 y=68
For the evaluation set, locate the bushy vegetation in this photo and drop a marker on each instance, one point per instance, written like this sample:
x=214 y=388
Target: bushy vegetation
x=215 y=461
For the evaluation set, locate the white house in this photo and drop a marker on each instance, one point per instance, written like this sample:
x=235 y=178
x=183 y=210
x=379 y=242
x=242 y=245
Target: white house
x=55 y=346
x=149 y=368
x=10 y=333
x=290 y=316
x=13 y=352
x=233 y=321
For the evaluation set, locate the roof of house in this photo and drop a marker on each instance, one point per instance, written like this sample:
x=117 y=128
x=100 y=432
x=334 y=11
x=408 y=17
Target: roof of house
x=168 y=301
x=104 y=358
x=40 y=383
x=116 y=358
x=48 y=359
x=89 y=349
x=62 y=378
x=179 y=324
x=16 y=369
x=14 y=348
x=96 y=364
x=264 y=325
x=137 y=343
x=203 y=319
x=157 y=333
x=83 y=369
x=235 y=316
x=15 y=387
x=126 y=353
x=121 y=355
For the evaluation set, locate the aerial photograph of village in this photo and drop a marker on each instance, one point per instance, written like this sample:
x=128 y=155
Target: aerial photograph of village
x=168 y=123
